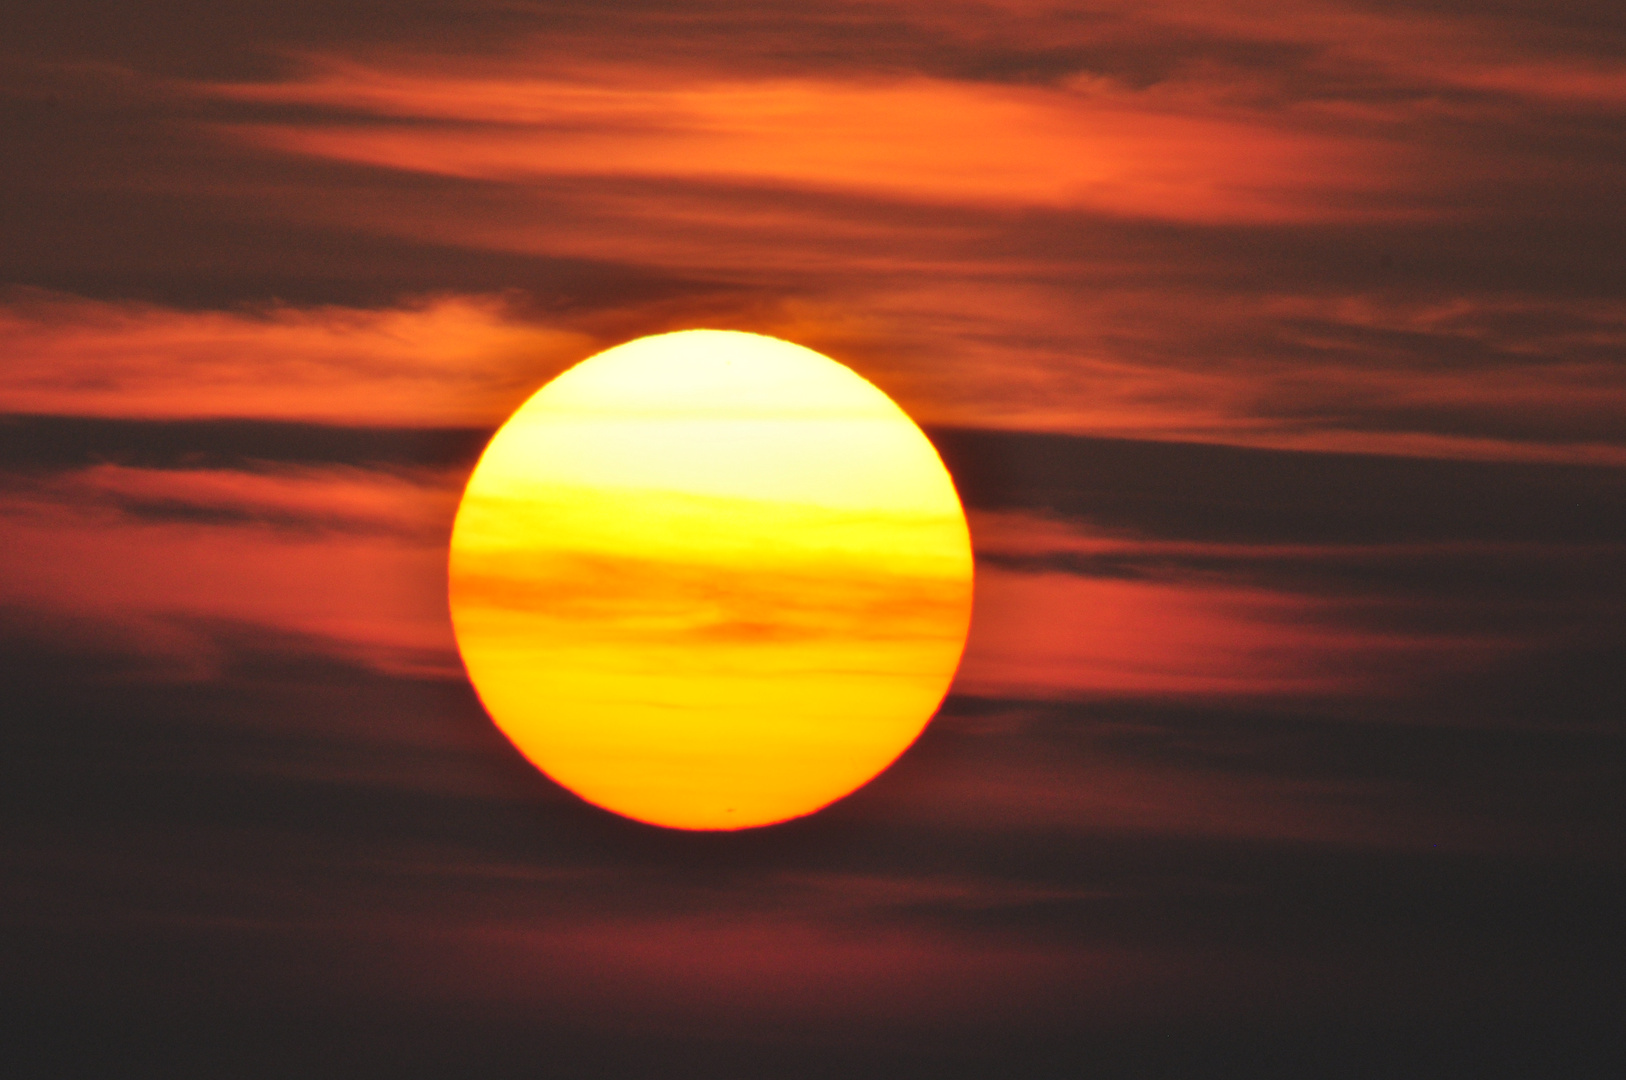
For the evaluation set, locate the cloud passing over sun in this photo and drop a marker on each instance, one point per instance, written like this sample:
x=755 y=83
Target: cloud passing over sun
x=1276 y=353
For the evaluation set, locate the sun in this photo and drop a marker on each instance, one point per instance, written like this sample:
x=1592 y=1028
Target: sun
x=710 y=580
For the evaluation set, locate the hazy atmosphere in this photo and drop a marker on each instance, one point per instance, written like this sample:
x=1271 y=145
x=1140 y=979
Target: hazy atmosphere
x=1277 y=352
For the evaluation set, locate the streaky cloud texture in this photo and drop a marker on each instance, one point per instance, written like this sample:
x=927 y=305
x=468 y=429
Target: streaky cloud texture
x=1275 y=350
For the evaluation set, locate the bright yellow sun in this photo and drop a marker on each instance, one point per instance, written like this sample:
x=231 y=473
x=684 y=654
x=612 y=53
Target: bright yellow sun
x=710 y=580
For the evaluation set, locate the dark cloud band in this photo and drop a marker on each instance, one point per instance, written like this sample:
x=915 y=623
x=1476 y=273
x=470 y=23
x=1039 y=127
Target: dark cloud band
x=1186 y=491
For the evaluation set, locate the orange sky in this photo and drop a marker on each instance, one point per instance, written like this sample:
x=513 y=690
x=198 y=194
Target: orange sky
x=1276 y=352
x=1156 y=222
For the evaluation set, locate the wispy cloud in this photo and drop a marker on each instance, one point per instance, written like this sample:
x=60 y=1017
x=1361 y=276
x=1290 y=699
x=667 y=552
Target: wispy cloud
x=442 y=361
x=1508 y=379
x=353 y=560
x=1275 y=349
x=920 y=138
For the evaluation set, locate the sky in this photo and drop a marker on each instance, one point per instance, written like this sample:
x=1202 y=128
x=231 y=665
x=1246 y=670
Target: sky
x=1277 y=351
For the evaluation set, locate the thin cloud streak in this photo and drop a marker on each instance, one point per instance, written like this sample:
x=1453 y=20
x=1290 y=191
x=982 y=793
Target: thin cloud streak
x=1509 y=381
x=293 y=554
x=450 y=360
x=923 y=139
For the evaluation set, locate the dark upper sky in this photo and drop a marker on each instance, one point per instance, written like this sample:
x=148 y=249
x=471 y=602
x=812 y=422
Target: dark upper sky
x=1277 y=354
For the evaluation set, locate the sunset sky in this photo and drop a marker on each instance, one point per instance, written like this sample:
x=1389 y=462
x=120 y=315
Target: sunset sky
x=1277 y=351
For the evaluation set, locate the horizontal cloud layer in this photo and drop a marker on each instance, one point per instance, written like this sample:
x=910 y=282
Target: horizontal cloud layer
x=1276 y=351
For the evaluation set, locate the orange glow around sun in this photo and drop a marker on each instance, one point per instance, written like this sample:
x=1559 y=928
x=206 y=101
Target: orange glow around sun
x=710 y=580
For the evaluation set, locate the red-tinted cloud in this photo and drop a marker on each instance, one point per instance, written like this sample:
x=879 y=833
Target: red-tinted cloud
x=452 y=360
x=1091 y=144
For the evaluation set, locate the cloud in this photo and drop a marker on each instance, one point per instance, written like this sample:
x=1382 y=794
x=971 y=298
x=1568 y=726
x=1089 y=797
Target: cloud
x=337 y=842
x=1106 y=567
x=43 y=443
x=928 y=140
x=1233 y=494
x=357 y=561
x=350 y=502
x=1321 y=228
x=442 y=361
x=1111 y=568
x=256 y=819
x=1518 y=380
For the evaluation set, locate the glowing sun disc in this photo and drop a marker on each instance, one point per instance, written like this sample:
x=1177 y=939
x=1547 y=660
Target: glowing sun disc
x=710 y=580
